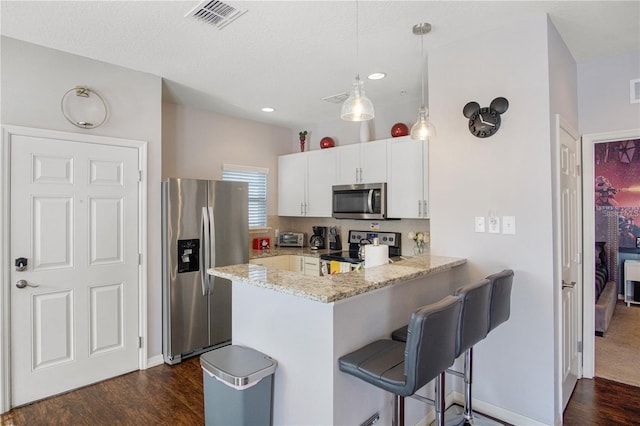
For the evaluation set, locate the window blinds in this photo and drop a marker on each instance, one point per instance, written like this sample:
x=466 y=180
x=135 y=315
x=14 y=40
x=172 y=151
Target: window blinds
x=257 y=179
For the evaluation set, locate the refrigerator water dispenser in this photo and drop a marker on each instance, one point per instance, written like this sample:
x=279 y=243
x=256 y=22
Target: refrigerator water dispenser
x=188 y=255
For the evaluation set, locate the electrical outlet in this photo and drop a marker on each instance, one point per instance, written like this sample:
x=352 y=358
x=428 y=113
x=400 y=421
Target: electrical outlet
x=509 y=225
x=494 y=225
x=479 y=223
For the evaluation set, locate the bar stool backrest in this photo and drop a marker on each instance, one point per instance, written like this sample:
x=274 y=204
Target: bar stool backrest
x=430 y=347
x=501 y=284
x=474 y=316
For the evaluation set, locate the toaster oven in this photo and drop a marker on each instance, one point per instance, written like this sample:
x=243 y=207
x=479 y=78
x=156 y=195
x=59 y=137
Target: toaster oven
x=291 y=239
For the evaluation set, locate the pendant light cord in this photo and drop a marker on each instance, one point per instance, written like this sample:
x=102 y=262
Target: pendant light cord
x=357 y=41
x=423 y=65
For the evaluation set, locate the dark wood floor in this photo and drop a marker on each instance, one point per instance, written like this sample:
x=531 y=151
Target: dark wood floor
x=603 y=402
x=167 y=395
x=161 y=395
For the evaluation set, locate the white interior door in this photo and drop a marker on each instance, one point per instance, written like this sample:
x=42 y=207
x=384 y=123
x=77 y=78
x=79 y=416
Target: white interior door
x=571 y=247
x=74 y=216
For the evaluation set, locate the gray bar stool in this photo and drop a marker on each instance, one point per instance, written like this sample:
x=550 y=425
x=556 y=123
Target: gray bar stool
x=501 y=284
x=499 y=312
x=402 y=368
x=473 y=327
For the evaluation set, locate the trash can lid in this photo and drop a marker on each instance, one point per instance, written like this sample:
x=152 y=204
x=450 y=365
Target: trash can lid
x=238 y=365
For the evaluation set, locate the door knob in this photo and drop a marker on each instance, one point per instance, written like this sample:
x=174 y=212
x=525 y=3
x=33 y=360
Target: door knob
x=24 y=283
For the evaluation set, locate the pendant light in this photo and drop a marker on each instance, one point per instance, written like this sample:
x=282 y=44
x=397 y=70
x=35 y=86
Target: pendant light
x=357 y=107
x=423 y=127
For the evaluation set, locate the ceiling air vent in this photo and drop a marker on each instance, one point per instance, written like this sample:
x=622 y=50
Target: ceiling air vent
x=215 y=13
x=336 y=99
x=635 y=91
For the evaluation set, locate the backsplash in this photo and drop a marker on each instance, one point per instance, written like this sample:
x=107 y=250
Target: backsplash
x=304 y=224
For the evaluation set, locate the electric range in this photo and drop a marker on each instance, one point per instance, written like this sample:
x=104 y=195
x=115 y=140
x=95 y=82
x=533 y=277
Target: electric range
x=391 y=239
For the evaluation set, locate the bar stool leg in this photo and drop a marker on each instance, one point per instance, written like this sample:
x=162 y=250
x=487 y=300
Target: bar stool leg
x=439 y=399
x=468 y=374
x=398 y=411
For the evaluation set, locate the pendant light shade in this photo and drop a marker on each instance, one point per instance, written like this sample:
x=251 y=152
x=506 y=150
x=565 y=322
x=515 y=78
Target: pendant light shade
x=423 y=129
x=357 y=107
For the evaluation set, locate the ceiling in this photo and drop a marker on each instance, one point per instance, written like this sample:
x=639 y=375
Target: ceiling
x=291 y=54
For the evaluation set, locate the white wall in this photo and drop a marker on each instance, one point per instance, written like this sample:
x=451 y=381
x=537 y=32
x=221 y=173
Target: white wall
x=35 y=78
x=195 y=144
x=603 y=88
x=509 y=174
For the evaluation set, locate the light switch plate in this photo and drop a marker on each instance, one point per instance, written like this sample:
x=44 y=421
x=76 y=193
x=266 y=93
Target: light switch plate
x=509 y=225
x=494 y=225
x=479 y=223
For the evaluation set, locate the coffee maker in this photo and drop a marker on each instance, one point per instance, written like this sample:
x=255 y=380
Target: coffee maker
x=318 y=239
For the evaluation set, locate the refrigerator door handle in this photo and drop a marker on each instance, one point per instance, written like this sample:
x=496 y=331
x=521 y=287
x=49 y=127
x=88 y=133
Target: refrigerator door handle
x=212 y=248
x=204 y=257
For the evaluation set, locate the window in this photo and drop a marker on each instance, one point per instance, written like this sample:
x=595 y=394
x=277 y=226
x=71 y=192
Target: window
x=257 y=179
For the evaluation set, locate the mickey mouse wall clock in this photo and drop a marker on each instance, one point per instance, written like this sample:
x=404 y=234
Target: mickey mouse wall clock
x=485 y=122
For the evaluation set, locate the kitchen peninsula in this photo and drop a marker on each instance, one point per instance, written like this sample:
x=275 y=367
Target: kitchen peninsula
x=306 y=323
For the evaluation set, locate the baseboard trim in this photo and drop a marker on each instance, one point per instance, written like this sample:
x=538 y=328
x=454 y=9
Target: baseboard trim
x=431 y=415
x=497 y=412
x=154 y=361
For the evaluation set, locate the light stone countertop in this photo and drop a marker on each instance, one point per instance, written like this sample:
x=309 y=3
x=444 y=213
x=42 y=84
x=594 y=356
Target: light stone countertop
x=332 y=288
x=283 y=251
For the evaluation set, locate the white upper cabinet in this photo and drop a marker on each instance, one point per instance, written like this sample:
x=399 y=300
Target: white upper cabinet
x=407 y=183
x=304 y=183
x=292 y=176
x=361 y=163
x=321 y=176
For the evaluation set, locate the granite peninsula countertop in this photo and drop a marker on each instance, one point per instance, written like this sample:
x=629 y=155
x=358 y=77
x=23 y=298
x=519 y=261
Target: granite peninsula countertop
x=283 y=251
x=332 y=288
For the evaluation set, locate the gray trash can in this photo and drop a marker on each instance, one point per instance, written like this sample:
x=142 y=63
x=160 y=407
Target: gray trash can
x=238 y=386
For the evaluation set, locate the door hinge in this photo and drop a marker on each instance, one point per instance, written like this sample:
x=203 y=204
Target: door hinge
x=139 y=258
x=580 y=347
x=139 y=175
x=139 y=342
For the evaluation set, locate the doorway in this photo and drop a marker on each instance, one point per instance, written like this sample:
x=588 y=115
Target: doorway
x=72 y=245
x=589 y=146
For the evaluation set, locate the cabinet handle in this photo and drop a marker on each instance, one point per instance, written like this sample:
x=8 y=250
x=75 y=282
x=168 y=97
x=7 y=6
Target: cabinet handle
x=419 y=208
x=424 y=208
x=565 y=284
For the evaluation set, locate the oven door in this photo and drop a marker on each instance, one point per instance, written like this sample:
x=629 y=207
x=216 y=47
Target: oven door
x=332 y=267
x=361 y=201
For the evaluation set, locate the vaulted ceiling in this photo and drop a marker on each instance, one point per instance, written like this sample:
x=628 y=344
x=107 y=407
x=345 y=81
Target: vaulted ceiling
x=291 y=54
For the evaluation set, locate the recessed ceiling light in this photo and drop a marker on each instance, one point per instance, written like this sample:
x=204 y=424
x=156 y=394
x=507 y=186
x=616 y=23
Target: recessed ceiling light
x=268 y=109
x=377 y=76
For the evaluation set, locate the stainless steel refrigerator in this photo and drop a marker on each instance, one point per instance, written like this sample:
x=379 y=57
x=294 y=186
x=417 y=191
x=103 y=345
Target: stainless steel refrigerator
x=204 y=224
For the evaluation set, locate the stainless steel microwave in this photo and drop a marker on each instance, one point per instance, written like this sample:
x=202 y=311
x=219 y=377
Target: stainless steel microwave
x=360 y=201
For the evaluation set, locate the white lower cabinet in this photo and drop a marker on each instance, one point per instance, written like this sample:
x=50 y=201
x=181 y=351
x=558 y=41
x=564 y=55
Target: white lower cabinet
x=304 y=183
x=408 y=179
x=307 y=265
x=311 y=266
x=275 y=262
